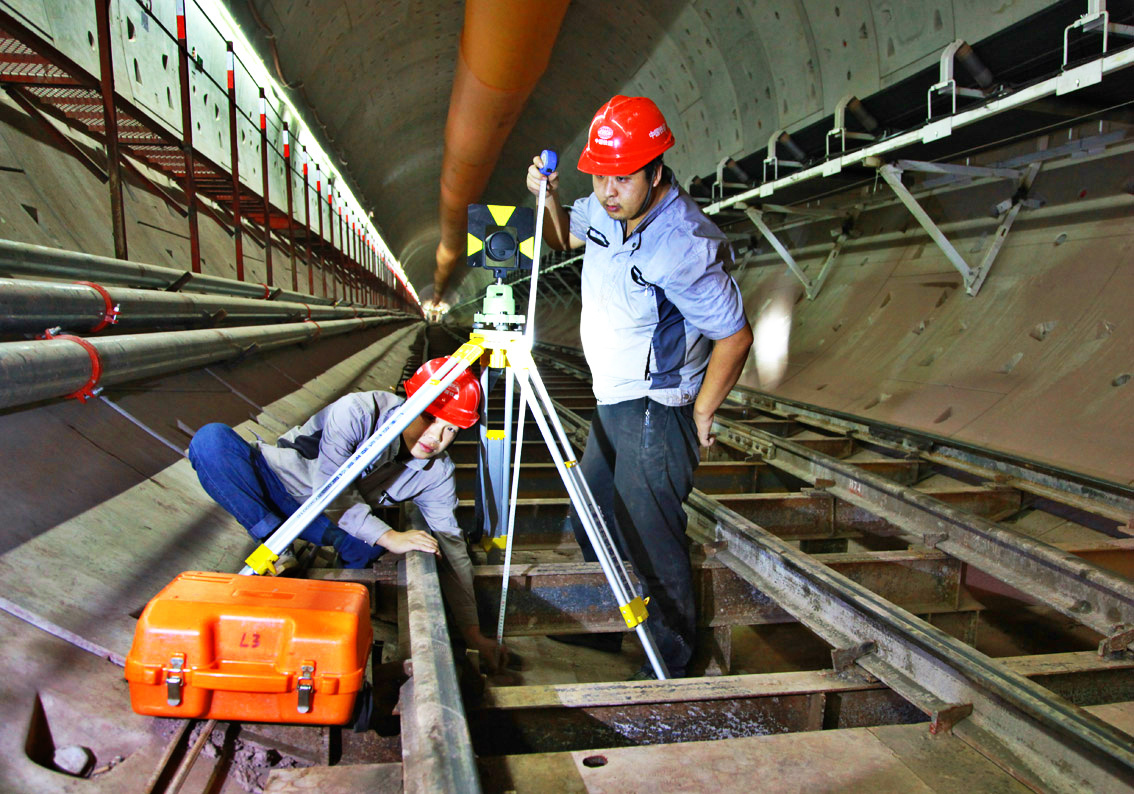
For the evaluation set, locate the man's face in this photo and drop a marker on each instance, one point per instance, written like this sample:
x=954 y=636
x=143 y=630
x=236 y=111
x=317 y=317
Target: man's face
x=622 y=196
x=427 y=437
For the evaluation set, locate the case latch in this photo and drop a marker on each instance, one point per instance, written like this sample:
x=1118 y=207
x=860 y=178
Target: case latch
x=174 y=679
x=306 y=682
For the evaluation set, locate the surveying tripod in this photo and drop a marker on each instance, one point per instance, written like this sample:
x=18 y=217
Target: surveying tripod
x=508 y=349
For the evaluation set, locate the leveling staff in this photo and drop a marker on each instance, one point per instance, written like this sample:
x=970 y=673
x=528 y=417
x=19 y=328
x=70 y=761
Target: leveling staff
x=665 y=336
x=261 y=485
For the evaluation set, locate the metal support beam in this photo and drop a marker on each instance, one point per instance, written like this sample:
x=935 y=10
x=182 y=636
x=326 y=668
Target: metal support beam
x=757 y=218
x=234 y=165
x=307 y=227
x=332 y=253
x=437 y=752
x=1017 y=202
x=1076 y=588
x=110 y=121
x=833 y=254
x=319 y=208
x=290 y=210
x=570 y=598
x=956 y=170
x=893 y=176
x=565 y=717
x=807 y=515
x=1018 y=724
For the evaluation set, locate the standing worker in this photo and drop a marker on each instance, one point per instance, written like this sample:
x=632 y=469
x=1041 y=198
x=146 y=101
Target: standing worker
x=261 y=484
x=665 y=337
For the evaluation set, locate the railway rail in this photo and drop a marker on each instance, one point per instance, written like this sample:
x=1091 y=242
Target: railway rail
x=792 y=521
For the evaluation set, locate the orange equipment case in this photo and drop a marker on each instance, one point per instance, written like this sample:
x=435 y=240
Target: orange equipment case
x=251 y=648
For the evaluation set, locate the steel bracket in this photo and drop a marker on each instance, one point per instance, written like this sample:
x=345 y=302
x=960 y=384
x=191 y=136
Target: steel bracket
x=1117 y=642
x=773 y=160
x=947 y=82
x=973 y=277
x=840 y=129
x=943 y=717
x=931 y=539
x=757 y=218
x=843 y=659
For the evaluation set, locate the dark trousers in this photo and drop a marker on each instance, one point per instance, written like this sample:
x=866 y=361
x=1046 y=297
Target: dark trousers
x=236 y=476
x=639 y=463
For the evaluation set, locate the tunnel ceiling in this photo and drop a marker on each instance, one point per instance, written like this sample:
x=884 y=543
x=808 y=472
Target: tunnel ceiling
x=726 y=73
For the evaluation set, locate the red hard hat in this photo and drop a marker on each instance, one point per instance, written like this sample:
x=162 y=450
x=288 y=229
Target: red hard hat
x=458 y=404
x=626 y=134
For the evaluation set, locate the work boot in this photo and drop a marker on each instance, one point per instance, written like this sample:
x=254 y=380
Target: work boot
x=607 y=643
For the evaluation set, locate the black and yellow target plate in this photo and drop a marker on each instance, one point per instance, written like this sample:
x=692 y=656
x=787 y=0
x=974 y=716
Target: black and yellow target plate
x=501 y=237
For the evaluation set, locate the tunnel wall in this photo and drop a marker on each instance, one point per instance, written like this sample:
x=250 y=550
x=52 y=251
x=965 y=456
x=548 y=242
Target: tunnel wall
x=1037 y=363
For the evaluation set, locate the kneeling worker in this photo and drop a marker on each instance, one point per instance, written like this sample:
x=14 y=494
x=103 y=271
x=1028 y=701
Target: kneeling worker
x=261 y=485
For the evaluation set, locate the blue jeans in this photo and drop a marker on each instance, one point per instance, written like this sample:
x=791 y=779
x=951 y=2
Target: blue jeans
x=639 y=463
x=236 y=476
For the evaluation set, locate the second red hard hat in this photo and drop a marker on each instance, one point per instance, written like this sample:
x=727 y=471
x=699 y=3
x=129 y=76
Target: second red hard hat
x=458 y=404
x=626 y=134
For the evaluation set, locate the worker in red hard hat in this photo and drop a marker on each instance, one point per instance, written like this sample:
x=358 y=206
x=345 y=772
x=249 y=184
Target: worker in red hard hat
x=261 y=484
x=665 y=336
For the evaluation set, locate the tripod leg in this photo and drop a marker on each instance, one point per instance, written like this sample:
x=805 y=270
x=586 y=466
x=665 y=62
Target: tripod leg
x=515 y=492
x=632 y=606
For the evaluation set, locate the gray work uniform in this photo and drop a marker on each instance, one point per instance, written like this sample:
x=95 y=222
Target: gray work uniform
x=306 y=456
x=652 y=305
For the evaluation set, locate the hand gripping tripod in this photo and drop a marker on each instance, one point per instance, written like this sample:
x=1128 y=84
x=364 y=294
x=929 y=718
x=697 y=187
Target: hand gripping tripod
x=509 y=350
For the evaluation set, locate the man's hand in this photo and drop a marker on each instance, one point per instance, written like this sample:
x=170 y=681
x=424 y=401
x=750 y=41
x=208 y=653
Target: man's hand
x=493 y=654
x=725 y=365
x=535 y=177
x=704 y=424
x=410 y=540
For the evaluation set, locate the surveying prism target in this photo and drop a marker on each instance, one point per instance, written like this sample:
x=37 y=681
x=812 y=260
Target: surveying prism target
x=501 y=238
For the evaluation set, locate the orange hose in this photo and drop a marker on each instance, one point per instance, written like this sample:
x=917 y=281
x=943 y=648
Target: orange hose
x=505 y=47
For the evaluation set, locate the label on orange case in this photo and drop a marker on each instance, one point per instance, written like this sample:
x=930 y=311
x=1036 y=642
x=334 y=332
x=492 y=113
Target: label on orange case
x=258 y=640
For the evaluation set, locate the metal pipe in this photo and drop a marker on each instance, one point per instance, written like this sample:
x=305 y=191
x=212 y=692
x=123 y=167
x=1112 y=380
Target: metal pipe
x=42 y=369
x=31 y=306
x=25 y=259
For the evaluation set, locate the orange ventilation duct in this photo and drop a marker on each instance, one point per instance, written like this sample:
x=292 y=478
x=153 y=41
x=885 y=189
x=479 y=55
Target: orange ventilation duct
x=505 y=47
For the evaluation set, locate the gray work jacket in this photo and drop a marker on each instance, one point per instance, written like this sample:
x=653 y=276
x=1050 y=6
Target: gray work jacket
x=306 y=456
x=653 y=303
